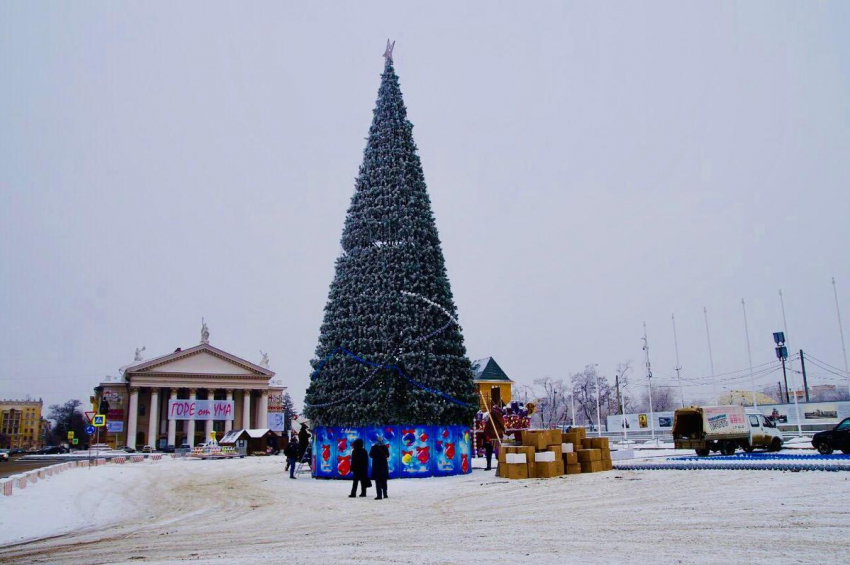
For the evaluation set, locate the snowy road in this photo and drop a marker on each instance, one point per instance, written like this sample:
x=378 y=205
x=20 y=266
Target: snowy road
x=248 y=511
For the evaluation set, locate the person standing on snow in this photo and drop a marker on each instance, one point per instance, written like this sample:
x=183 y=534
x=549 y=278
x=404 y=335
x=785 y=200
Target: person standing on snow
x=291 y=453
x=359 y=469
x=380 y=454
x=488 y=452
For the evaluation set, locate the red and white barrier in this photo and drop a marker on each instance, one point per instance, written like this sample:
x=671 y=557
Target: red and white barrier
x=119 y=460
x=156 y=456
x=32 y=477
x=21 y=482
x=137 y=458
x=7 y=487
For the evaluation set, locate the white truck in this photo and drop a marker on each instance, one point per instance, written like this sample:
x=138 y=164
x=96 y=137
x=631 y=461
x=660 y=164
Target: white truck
x=709 y=429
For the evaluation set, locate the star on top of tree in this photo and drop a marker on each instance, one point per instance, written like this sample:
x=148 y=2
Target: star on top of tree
x=388 y=52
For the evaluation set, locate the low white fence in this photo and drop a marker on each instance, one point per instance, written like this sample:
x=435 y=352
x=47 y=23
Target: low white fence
x=20 y=481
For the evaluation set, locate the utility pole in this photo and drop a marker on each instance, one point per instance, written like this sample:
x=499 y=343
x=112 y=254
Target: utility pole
x=803 y=367
x=617 y=386
x=649 y=381
x=749 y=354
x=710 y=356
x=840 y=328
x=598 y=411
x=678 y=365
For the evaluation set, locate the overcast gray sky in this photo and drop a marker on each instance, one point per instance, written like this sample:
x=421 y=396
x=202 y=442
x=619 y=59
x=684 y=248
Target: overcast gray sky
x=591 y=166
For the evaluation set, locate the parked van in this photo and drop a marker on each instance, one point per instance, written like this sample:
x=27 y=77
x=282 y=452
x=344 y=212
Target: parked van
x=709 y=429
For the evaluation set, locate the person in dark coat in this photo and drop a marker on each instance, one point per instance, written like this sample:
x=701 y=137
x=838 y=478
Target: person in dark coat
x=380 y=454
x=303 y=441
x=359 y=469
x=488 y=452
x=291 y=453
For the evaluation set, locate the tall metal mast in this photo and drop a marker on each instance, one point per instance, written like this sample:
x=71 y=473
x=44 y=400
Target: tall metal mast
x=840 y=327
x=749 y=354
x=710 y=356
x=649 y=381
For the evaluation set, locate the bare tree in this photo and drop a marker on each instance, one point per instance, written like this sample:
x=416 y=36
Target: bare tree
x=663 y=399
x=523 y=393
x=770 y=392
x=551 y=402
x=584 y=388
x=832 y=394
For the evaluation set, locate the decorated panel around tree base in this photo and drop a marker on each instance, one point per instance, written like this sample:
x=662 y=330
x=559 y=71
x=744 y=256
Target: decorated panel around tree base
x=415 y=451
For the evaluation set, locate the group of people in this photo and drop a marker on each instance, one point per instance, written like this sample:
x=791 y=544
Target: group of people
x=380 y=454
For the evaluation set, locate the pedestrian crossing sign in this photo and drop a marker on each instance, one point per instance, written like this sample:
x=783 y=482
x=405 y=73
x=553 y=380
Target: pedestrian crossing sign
x=98 y=421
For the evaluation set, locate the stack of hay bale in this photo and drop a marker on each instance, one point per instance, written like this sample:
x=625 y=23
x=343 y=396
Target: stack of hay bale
x=549 y=453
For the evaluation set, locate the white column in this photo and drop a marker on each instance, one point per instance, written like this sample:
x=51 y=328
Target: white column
x=208 y=424
x=263 y=410
x=246 y=408
x=153 y=419
x=228 y=424
x=190 y=434
x=172 y=424
x=132 y=417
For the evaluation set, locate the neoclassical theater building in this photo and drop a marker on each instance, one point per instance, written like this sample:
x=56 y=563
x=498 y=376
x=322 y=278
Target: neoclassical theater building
x=137 y=402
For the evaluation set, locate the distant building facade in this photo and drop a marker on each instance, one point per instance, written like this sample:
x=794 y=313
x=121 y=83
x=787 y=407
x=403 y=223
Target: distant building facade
x=21 y=424
x=185 y=397
x=492 y=384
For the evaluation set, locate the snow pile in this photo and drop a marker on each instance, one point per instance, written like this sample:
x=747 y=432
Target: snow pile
x=248 y=511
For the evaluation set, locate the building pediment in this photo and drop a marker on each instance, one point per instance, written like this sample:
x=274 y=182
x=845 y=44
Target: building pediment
x=203 y=359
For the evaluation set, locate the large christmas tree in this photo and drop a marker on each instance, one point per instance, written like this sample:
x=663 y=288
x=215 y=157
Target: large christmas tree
x=389 y=350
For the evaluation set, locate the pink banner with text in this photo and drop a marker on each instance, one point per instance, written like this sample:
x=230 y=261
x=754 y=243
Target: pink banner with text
x=184 y=409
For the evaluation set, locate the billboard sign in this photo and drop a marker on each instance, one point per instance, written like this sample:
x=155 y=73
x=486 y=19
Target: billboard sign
x=187 y=409
x=638 y=422
x=276 y=422
x=810 y=412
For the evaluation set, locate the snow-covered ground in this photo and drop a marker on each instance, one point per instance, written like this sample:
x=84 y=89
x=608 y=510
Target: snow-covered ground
x=248 y=511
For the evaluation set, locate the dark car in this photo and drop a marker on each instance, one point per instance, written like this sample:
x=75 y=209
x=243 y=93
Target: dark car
x=127 y=449
x=168 y=449
x=836 y=438
x=51 y=450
